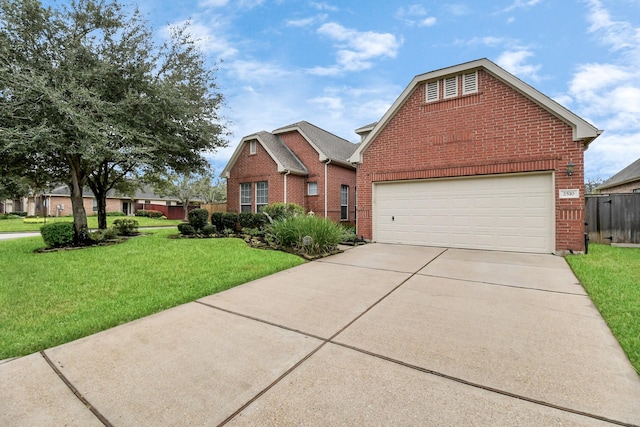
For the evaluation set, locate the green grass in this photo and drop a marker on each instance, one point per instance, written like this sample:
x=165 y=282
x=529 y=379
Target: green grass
x=27 y=224
x=611 y=277
x=47 y=299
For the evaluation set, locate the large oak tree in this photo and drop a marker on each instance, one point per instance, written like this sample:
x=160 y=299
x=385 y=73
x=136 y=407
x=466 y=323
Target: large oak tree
x=89 y=96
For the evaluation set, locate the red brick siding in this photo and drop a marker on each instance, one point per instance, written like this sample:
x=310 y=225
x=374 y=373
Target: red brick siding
x=497 y=130
x=253 y=168
x=261 y=167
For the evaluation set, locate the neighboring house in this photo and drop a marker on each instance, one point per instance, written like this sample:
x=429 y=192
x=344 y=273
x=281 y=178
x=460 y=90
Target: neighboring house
x=299 y=163
x=625 y=181
x=472 y=157
x=57 y=202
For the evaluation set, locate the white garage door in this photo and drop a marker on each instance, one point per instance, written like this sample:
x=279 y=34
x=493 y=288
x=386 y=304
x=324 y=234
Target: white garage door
x=498 y=212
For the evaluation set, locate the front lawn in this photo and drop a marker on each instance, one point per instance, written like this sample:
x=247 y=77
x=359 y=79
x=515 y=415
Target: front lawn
x=611 y=277
x=19 y=224
x=49 y=299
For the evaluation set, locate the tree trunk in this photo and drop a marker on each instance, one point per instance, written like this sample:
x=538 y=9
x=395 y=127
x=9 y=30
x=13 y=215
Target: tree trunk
x=101 y=201
x=80 y=226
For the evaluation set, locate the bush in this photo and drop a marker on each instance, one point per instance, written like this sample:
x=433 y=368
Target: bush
x=126 y=227
x=149 y=213
x=102 y=235
x=116 y=213
x=209 y=229
x=252 y=220
x=309 y=234
x=58 y=234
x=216 y=219
x=229 y=221
x=186 y=229
x=198 y=218
x=278 y=211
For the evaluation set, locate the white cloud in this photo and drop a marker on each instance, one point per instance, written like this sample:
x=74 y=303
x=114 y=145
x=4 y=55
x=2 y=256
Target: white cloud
x=356 y=50
x=256 y=72
x=324 y=6
x=514 y=61
x=608 y=93
x=306 y=22
x=520 y=4
x=415 y=15
x=213 y=3
x=457 y=9
x=208 y=37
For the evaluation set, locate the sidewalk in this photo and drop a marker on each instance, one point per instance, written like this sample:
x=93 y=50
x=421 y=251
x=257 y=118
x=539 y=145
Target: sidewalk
x=378 y=335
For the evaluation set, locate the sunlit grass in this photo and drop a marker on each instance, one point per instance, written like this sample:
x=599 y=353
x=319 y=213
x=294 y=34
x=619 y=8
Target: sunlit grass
x=47 y=299
x=29 y=224
x=611 y=277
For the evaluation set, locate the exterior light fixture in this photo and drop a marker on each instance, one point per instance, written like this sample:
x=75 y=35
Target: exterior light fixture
x=570 y=167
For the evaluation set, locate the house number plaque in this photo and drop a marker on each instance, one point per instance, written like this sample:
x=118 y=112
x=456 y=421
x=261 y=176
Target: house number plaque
x=569 y=194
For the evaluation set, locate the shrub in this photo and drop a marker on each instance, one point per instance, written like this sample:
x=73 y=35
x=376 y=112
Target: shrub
x=149 y=213
x=186 y=229
x=19 y=213
x=209 y=229
x=216 y=219
x=57 y=234
x=252 y=220
x=116 y=213
x=229 y=221
x=198 y=218
x=310 y=234
x=278 y=211
x=126 y=227
x=102 y=235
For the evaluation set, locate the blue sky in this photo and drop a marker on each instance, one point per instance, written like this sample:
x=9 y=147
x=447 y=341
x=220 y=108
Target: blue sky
x=341 y=64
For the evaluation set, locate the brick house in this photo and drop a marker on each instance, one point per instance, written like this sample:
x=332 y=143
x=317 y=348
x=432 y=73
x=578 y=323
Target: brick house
x=299 y=163
x=472 y=157
x=625 y=181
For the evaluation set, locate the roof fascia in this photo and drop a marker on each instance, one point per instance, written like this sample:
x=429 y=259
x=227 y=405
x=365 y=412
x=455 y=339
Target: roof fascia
x=226 y=172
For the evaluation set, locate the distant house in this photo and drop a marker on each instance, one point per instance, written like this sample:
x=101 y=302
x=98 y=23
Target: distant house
x=57 y=202
x=299 y=163
x=469 y=156
x=625 y=181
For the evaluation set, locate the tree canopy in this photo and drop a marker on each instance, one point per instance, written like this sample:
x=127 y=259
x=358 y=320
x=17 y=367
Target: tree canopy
x=88 y=97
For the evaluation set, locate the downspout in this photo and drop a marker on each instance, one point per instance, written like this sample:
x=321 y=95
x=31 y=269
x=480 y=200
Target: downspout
x=287 y=172
x=326 y=182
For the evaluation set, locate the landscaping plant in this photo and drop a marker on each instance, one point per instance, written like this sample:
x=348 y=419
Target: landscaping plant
x=57 y=234
x=307 y=234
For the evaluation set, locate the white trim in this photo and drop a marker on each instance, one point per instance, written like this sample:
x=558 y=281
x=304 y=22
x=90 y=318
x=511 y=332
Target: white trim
x=432 y=91
x=253 y=149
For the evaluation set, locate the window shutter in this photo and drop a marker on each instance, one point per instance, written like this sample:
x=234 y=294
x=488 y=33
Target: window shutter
x=451 y=87
x=470 y=83
x=432 y=91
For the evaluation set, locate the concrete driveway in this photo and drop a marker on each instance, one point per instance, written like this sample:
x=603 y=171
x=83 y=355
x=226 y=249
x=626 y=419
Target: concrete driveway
x=378 y=335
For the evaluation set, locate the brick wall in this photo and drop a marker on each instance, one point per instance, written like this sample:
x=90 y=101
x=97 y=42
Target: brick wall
x=261 y=167
x=624 y=188
x=494 y=131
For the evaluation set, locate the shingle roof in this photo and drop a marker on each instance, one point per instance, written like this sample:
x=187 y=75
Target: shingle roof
x=628 y=174
x=144 y=193
x=329 y=145
x=283 y=154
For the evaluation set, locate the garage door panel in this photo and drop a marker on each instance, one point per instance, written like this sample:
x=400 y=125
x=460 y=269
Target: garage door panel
x=507 y=212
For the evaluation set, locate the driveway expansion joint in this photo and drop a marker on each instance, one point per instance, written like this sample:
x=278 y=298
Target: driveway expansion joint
x=76 y=392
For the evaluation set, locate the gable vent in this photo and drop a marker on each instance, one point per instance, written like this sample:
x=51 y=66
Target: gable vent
x=451 y=87
x=470 y=83
x=432 y=91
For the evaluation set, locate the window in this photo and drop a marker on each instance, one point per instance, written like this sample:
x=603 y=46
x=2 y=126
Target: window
x=262 y=195
x=95 y=205
x=312 y=188
x=451 y=87
x=344 y=202
x=470 y=83
x=433 y=90
x=253 y=147
x=636 y=190
x=245 y=197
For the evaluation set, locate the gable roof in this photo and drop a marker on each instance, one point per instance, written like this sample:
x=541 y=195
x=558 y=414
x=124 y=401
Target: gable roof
x=328 y=145
x=284 y=158
x=141 y=193
x=582 y=130
x=629 y=174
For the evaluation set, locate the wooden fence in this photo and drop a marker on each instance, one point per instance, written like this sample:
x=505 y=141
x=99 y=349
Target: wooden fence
x=614 y=218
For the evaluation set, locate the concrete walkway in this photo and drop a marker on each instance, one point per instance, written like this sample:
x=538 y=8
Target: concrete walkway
x=379 y=335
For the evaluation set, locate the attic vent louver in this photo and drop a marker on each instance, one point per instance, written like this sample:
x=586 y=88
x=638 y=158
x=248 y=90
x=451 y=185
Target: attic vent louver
x=432 y=91
x=451 y=87
x=470 y=83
